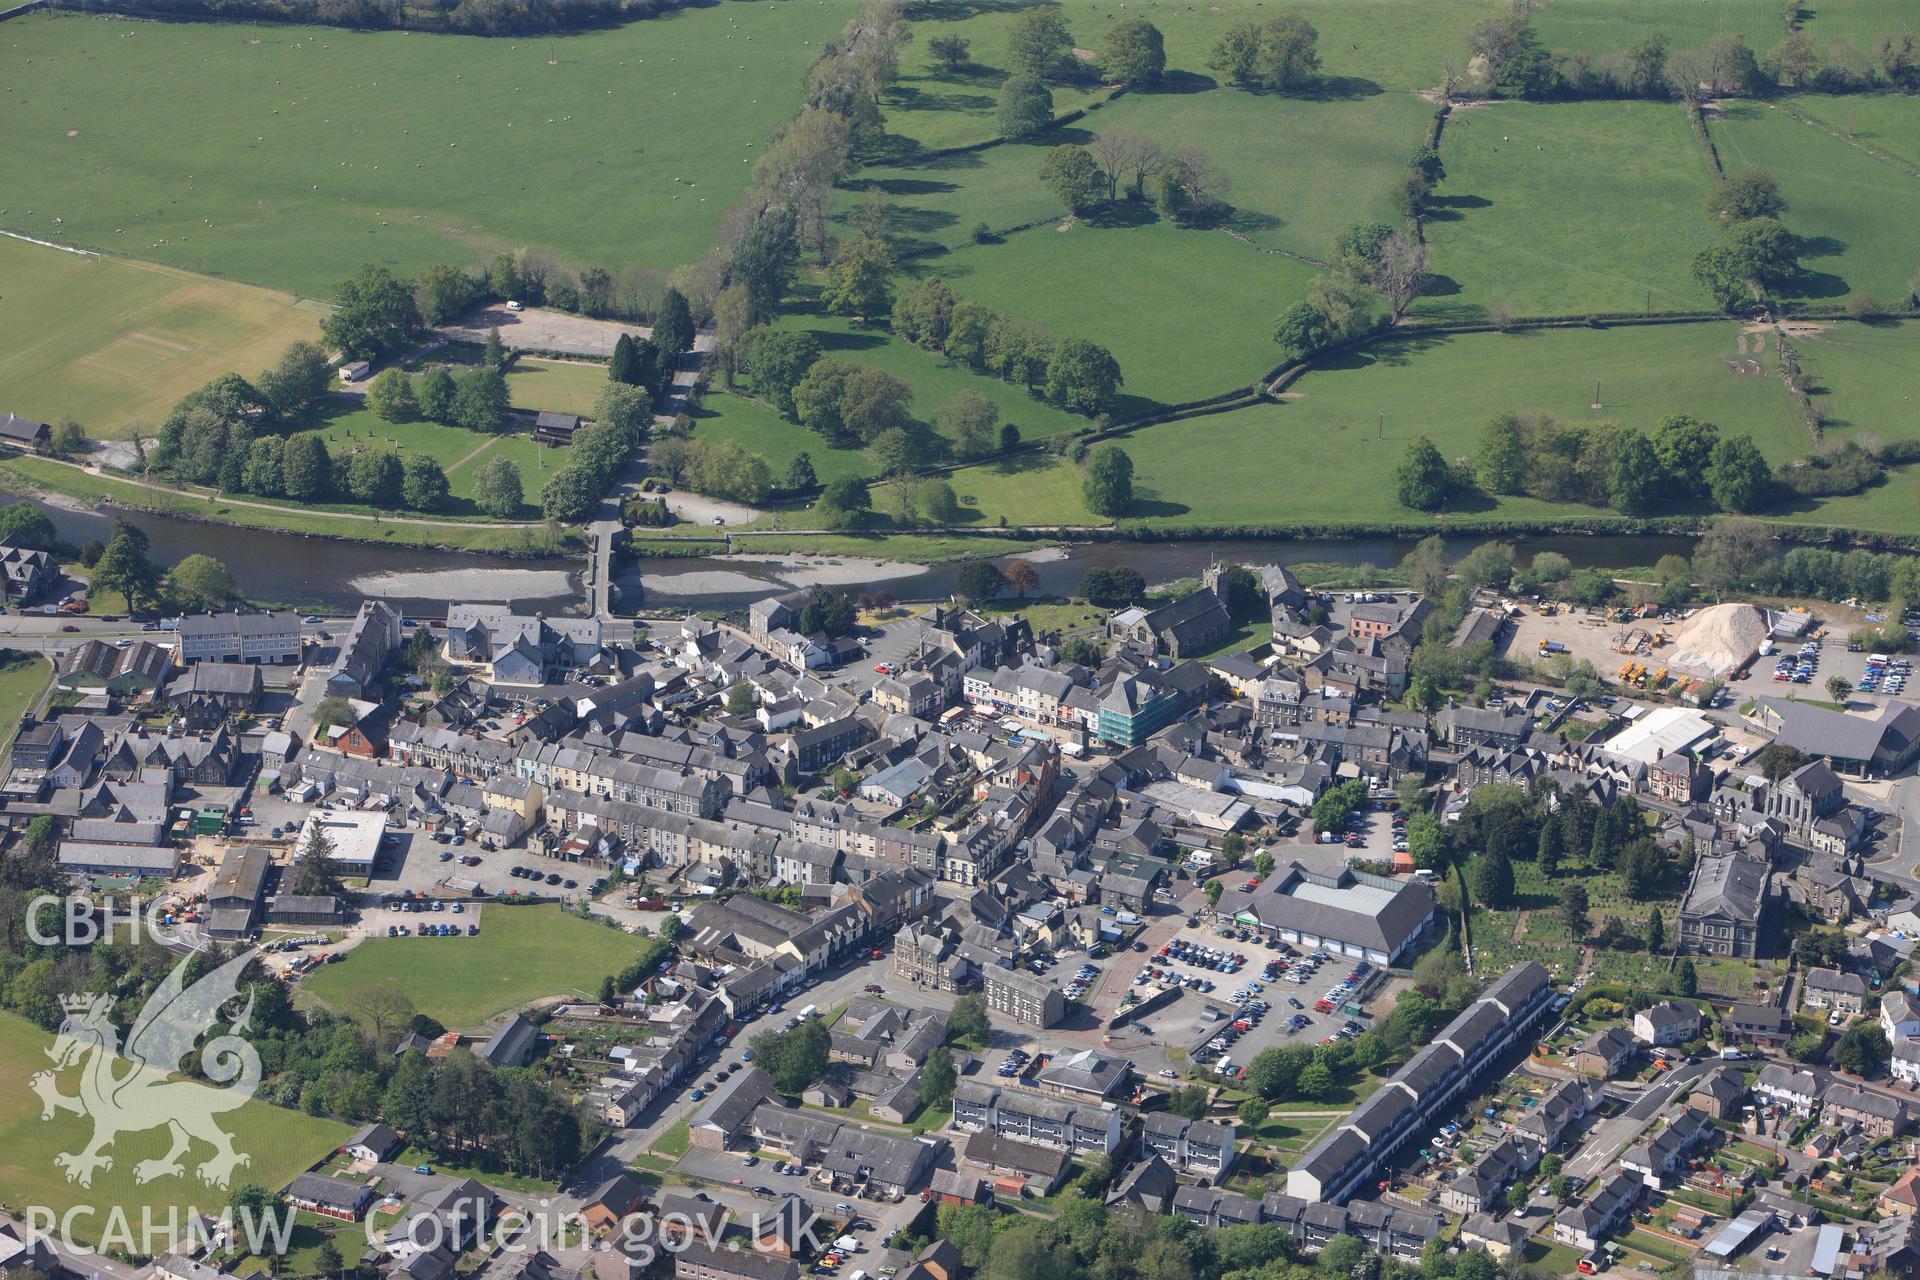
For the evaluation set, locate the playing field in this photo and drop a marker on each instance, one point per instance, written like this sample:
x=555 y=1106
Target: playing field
x=1238 y=467
x=1574 y=207
x=347 y=425
x=290 y=155
x=1856 y=214
x=111 y=342
x=520 y=955
x=1187 y=313
x=278 y=1143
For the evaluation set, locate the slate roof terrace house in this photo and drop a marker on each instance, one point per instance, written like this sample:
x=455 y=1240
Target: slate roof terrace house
x=240 y=637
x=1351 y=1155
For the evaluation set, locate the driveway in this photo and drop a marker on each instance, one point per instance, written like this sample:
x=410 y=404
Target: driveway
x=699 y=509
x=538 y=329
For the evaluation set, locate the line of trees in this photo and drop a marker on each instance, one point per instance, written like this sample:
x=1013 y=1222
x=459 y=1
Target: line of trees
x=465 y=17
x=377 y=313
x=1078 y=375
x=1601 y=463
x=1517 y=65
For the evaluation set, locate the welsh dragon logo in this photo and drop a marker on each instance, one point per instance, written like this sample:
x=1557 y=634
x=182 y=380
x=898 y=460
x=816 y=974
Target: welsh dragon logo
x=146 y=1097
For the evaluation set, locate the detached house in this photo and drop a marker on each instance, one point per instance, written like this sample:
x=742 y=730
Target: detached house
x=1605 y=1053
x=1667 y=1023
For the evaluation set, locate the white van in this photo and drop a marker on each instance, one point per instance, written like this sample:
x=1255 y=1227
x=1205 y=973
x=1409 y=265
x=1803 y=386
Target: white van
x=808 y=1012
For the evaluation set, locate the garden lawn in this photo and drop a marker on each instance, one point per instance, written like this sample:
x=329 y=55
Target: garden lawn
x=520 y=955
x=1864 y=378
x=288 y=155
x=1222 y=469
x=1856 y=212
x=461 y=454
x=110 y=342
x=1189 y=314
x=555 y=386
x=1568 y=207
x=279 y=1144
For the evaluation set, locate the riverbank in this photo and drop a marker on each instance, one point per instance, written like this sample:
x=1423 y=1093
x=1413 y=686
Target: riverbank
x=82 y=490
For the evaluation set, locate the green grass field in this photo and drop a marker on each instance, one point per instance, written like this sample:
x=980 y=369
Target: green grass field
x=288 y=155
x=1299 y=170
x=758 y=427
x=930 y=107
x=1568 y=208
x=1601 y=26
x=23 y=677
x=1187 y=313
x=1226 y=468
x=1858 y=22
x=1865 y=378
x=111 y=342
x=346 y=425
x=278 y=1143
x=521 y=954
x=557 y=386
x=1857 y=212
x=1888 y=122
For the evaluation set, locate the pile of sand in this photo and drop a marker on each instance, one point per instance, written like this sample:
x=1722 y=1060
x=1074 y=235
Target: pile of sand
x=1718 y=640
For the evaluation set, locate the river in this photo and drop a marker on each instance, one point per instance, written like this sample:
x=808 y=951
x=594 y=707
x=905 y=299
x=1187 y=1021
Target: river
x=319 y=573
x=285 y=568
x=728 y=581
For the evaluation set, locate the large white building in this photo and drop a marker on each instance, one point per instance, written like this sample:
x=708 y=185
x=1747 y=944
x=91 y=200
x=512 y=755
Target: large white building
x=355 y=836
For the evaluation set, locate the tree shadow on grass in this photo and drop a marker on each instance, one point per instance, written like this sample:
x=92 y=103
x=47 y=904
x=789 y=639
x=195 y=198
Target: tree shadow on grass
x=1176 y=82
x=1146 y=505
x=833 y=341
x=1808 y=504
x=1440 y=286
x=1819 y=284
x=1251 y=221
x=912 y=186
x=1450 y=208
x=1341 y=89
x=1130 y=406
x=1126 y=213
x=908 y=98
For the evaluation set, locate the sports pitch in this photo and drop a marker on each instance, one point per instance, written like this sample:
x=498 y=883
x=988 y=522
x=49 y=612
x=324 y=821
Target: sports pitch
x=111 y=342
